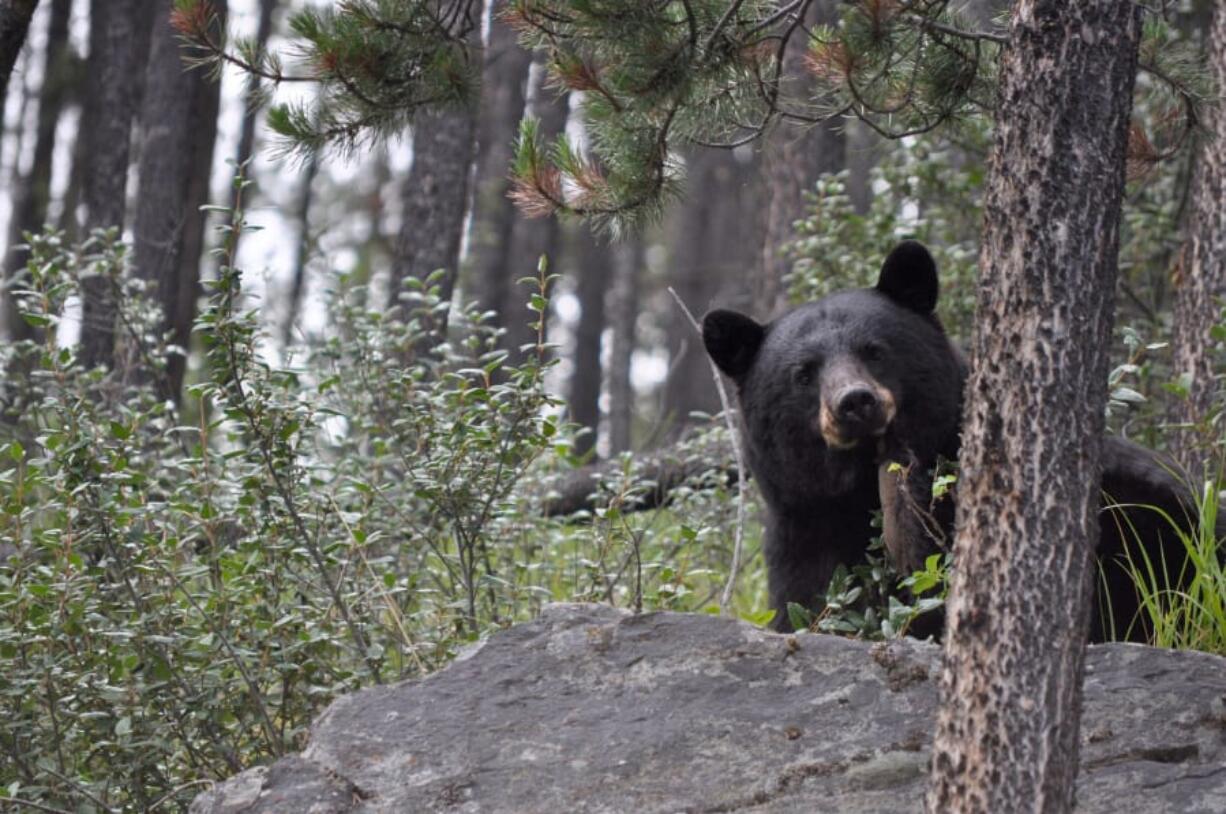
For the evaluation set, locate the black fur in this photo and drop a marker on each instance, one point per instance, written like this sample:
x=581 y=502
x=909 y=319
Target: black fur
x=820 y=496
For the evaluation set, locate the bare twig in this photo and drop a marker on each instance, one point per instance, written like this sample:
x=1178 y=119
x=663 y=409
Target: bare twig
x=21 y=802
x=725 y=598
x=165 y=798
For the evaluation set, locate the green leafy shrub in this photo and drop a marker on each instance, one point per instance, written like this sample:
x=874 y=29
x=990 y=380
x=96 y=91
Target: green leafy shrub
x=183 y=587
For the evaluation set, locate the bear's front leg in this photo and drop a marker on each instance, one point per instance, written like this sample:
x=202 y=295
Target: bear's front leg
x=803 y=549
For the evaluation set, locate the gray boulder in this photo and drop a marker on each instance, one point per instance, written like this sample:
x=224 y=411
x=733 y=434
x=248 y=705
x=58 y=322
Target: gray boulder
x=590 y=709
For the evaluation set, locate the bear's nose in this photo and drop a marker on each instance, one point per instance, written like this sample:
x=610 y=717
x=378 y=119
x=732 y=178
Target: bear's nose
x=856 y=405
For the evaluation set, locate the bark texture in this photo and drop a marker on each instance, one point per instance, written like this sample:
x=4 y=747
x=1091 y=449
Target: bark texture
x=794 y=159
x=1007 y=735
x=118 y=48
x=435 y=195
x=503 y=88
x=15 y=18
x=179 y=125
x=627 y=263
x=1200 y=281
x=32 y=196
x=715 y=241
x=589 y=261
x=532 y=237
x=246 y=135
x=435 y=198
x=302 y=214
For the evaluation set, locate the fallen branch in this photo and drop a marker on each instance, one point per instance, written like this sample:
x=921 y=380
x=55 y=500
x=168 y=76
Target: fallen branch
x=579 y=490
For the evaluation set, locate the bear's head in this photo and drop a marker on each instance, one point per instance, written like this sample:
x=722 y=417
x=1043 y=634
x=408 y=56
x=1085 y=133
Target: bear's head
x=824 y=388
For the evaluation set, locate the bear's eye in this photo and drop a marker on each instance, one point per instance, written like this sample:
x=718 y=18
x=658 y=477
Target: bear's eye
x=873 y=352
x=803 y=376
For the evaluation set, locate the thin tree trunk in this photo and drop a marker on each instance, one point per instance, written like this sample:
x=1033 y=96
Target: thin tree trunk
x=33 y=193
x=862 y=151
x=25 y=93
x=532 y=238
x=118 y=46
x=252 y=96
x=15 y=18
x=627 y=259
x=794 y=160
x=504 y=85
x=179 y=123
x=1007 y=732
x=252 y=101
x=591 y=263
x=1200 y=281
x=715 y=239
x=303 y=216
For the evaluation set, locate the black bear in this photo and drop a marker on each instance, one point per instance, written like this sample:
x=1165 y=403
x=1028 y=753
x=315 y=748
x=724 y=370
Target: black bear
x=834 y=391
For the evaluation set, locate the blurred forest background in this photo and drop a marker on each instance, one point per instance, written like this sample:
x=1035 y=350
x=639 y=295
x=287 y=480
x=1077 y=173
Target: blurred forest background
x=271 y=440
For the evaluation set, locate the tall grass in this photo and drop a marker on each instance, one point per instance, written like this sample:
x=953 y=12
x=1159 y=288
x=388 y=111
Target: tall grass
x=1183 y=605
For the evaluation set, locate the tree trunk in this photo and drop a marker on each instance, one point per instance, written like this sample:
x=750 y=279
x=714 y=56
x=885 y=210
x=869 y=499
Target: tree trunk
x=532 y=237
x=14 y=25
x=118 y=47
x=306 y=196
x=863 y=148
x=1007 y=733
x=179 y=125
x=33 y=193
x=251 y=96
x=794 y=160
x=590 y=263
x=627 y=258
x=252 y=103
x=435 y=197
x=715 y=239
x=503 y=87
x=1201 y=278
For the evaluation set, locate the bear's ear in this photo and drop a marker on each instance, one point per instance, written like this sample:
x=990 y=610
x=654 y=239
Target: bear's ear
x=732 y=340
x=909 y=277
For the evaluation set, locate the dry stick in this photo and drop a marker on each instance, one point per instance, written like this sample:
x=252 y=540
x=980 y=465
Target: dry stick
x=725 y=598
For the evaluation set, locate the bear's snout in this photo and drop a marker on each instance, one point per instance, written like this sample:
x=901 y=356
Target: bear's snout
x=857 y=405
x=854 y=413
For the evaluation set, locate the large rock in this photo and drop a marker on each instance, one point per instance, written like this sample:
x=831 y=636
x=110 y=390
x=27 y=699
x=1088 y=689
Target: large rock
x=591 y=709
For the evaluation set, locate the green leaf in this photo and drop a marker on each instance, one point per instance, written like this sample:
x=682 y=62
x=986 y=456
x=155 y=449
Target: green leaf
x=800 y=616
x=36 y=320
x=761 y=618
x=1127 y=395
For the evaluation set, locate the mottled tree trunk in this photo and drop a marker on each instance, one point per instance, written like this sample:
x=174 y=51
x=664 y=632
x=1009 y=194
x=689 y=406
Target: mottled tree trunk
x=1007 y=734
x=795 y=158
x=590 y=263
x=33 y=192
x=863 y=148
x=627 y=263
x=1200 y=281
x=532 y=237
x=14 y=26
x=503 y=88
x=179 y=126
x=119 y=47
x=715 y=241
x=435 y=199
x=435 y=195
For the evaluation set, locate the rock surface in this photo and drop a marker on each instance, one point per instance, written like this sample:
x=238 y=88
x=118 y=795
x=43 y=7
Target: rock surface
x=589 y=709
